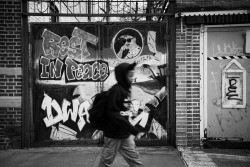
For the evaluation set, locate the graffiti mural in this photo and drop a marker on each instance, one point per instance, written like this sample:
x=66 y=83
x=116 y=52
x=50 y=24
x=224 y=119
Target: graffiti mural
x=73 y=63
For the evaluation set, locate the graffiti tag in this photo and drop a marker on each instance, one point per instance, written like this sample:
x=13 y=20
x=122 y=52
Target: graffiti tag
x=80 y=110
x=231 y=94
x=228 y=49
x=231 y=118
x=74 y=71
x=62 y=113
x=64 y=55
x=55 y=46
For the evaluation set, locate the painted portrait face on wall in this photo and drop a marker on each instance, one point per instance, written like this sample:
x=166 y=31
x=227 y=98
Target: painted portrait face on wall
x=127 y=44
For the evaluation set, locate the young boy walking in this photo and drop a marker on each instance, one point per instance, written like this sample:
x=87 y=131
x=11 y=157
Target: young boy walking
x=119 y=133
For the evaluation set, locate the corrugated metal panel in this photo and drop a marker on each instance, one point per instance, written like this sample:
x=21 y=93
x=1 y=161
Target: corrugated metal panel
x=227 y=19
x=216 y=17
x=207 y=13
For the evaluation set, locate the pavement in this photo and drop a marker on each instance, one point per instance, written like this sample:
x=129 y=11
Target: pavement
x=197 y=157
x=151 y=157
x=85 y=157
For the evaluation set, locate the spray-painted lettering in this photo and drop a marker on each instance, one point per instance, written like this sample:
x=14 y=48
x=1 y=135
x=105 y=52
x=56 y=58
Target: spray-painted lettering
x=64 y=55
x=232 y=94
x=55 y=46
x=74 y=71
x=63 y=112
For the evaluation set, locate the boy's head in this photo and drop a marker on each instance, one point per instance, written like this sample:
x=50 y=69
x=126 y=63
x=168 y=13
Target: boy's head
x=130 y=76
x=124 y=73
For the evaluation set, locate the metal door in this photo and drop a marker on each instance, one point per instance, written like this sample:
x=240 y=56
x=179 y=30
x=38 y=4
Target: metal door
x=227 y=83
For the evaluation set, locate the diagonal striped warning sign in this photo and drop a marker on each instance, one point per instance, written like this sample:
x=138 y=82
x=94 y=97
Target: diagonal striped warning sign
x=228 y=57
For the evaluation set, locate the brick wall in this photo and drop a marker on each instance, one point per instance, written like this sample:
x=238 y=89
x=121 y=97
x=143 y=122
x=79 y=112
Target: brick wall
x=10 y=73
x=188 y=88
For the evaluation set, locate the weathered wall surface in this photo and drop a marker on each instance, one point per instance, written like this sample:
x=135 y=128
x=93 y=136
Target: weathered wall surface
x=228 y=83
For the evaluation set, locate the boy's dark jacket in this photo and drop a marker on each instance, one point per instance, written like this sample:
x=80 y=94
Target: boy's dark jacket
x=118 y=126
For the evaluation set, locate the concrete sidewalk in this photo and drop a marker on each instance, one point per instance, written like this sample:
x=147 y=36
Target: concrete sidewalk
x=151 y=157
x=197 y=157
x=85 y=157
